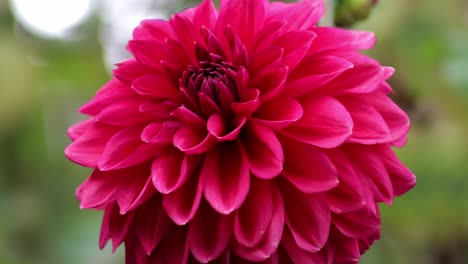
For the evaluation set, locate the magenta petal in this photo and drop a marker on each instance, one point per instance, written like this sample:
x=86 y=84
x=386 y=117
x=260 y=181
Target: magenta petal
x=402 y=178
x=206 y=15
x=326 y=123
x=88 y=148
x=148 y=51
x=265 y=57
x=152 y=224
x=308 y=217
x=175 y=248
x=358 y=223
x=128 y=70
x=395 y=118
x=134 y=189
x=301 y=15
x=279 y=112
x=313 y=72
x=246 y=17
x=297 y=254
x=193 y=141
x=369 y=126
x=370 y=167
x=161 y=110
x=263 y=150
x=363 y=78
x=254 y=216
x=158 y=86
x=126 y=149
x=347 y=196
x=171 y=169
x=153 y=28
x=98 y=190
x=209 y=234
x=267 y=246
x=226 y=177
x=271 y=81
x=110 y=93
x=117 y=226
x=296 y=45
x=249 y=104
x=161 y=133
x=218 y=128
x=307 y=167
x=123 y=112
x=188 y=117
x=336 y=38
x=78 y=129
x=182 y=204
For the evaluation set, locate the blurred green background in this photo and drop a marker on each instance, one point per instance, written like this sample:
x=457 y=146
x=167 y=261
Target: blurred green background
x=45 y=78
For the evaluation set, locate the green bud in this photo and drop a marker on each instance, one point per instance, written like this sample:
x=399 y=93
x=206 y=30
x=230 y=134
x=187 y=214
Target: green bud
x=349 y=11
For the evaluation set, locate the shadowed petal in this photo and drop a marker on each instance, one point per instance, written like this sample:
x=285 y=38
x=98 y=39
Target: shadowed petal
x=209 y=234
x=226 y=177
x=278 y=113
x=158 y=86
x=307 y=216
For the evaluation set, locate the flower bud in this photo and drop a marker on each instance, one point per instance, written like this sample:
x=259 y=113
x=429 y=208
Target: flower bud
x=348 y=12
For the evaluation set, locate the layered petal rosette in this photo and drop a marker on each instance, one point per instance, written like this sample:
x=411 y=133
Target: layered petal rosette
x=244 y=134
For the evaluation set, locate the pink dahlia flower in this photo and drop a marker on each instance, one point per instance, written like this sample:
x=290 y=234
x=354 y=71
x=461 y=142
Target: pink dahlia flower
x=244 y=134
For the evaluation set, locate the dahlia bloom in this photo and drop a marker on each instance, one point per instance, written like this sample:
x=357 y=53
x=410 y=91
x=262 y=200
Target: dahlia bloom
x=244 y=134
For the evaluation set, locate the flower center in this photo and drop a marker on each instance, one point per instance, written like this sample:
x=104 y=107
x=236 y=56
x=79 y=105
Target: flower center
x=211 y=87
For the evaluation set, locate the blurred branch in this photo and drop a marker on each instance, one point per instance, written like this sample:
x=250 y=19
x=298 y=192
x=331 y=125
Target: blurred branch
x=329 y=17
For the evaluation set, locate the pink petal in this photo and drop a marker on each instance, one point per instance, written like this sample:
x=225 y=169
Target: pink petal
x=249 y=103
x=129 y=70
x=265 y=58
x=307 y=167
x=115 y=226
x=88 y=148
x=98 y=190
x=326 y=123
x=296 y=45
x=297 y=254
x=158 y=86
x=124 y=112
x=161 y=133
x=271 y=81
x=369 y=126
x=246 y=17
x=370 y=167
x=148 y=51
x=175 y=248
x=153 y=28
x=263 y=150
x=402 y=178
x=336 y=38
x=395 y=118
x=135 y=188
x=157 y=109
x=218 y=127
x=152 y=224
x=254 y=216
x=226 y=177
x=206 y=15
x=264 y=250
x=313 y=72
x=279 y=113
x=209 y=234
x=171 y=169
x=110 y=93
x=307 y=216
x=300 y=16
x=186 y=33
x=126 y=149
x=347 y=196
x=182 y=204
x=77 y=130
x=193 y=141
x=188 y=117
x=358 y=223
